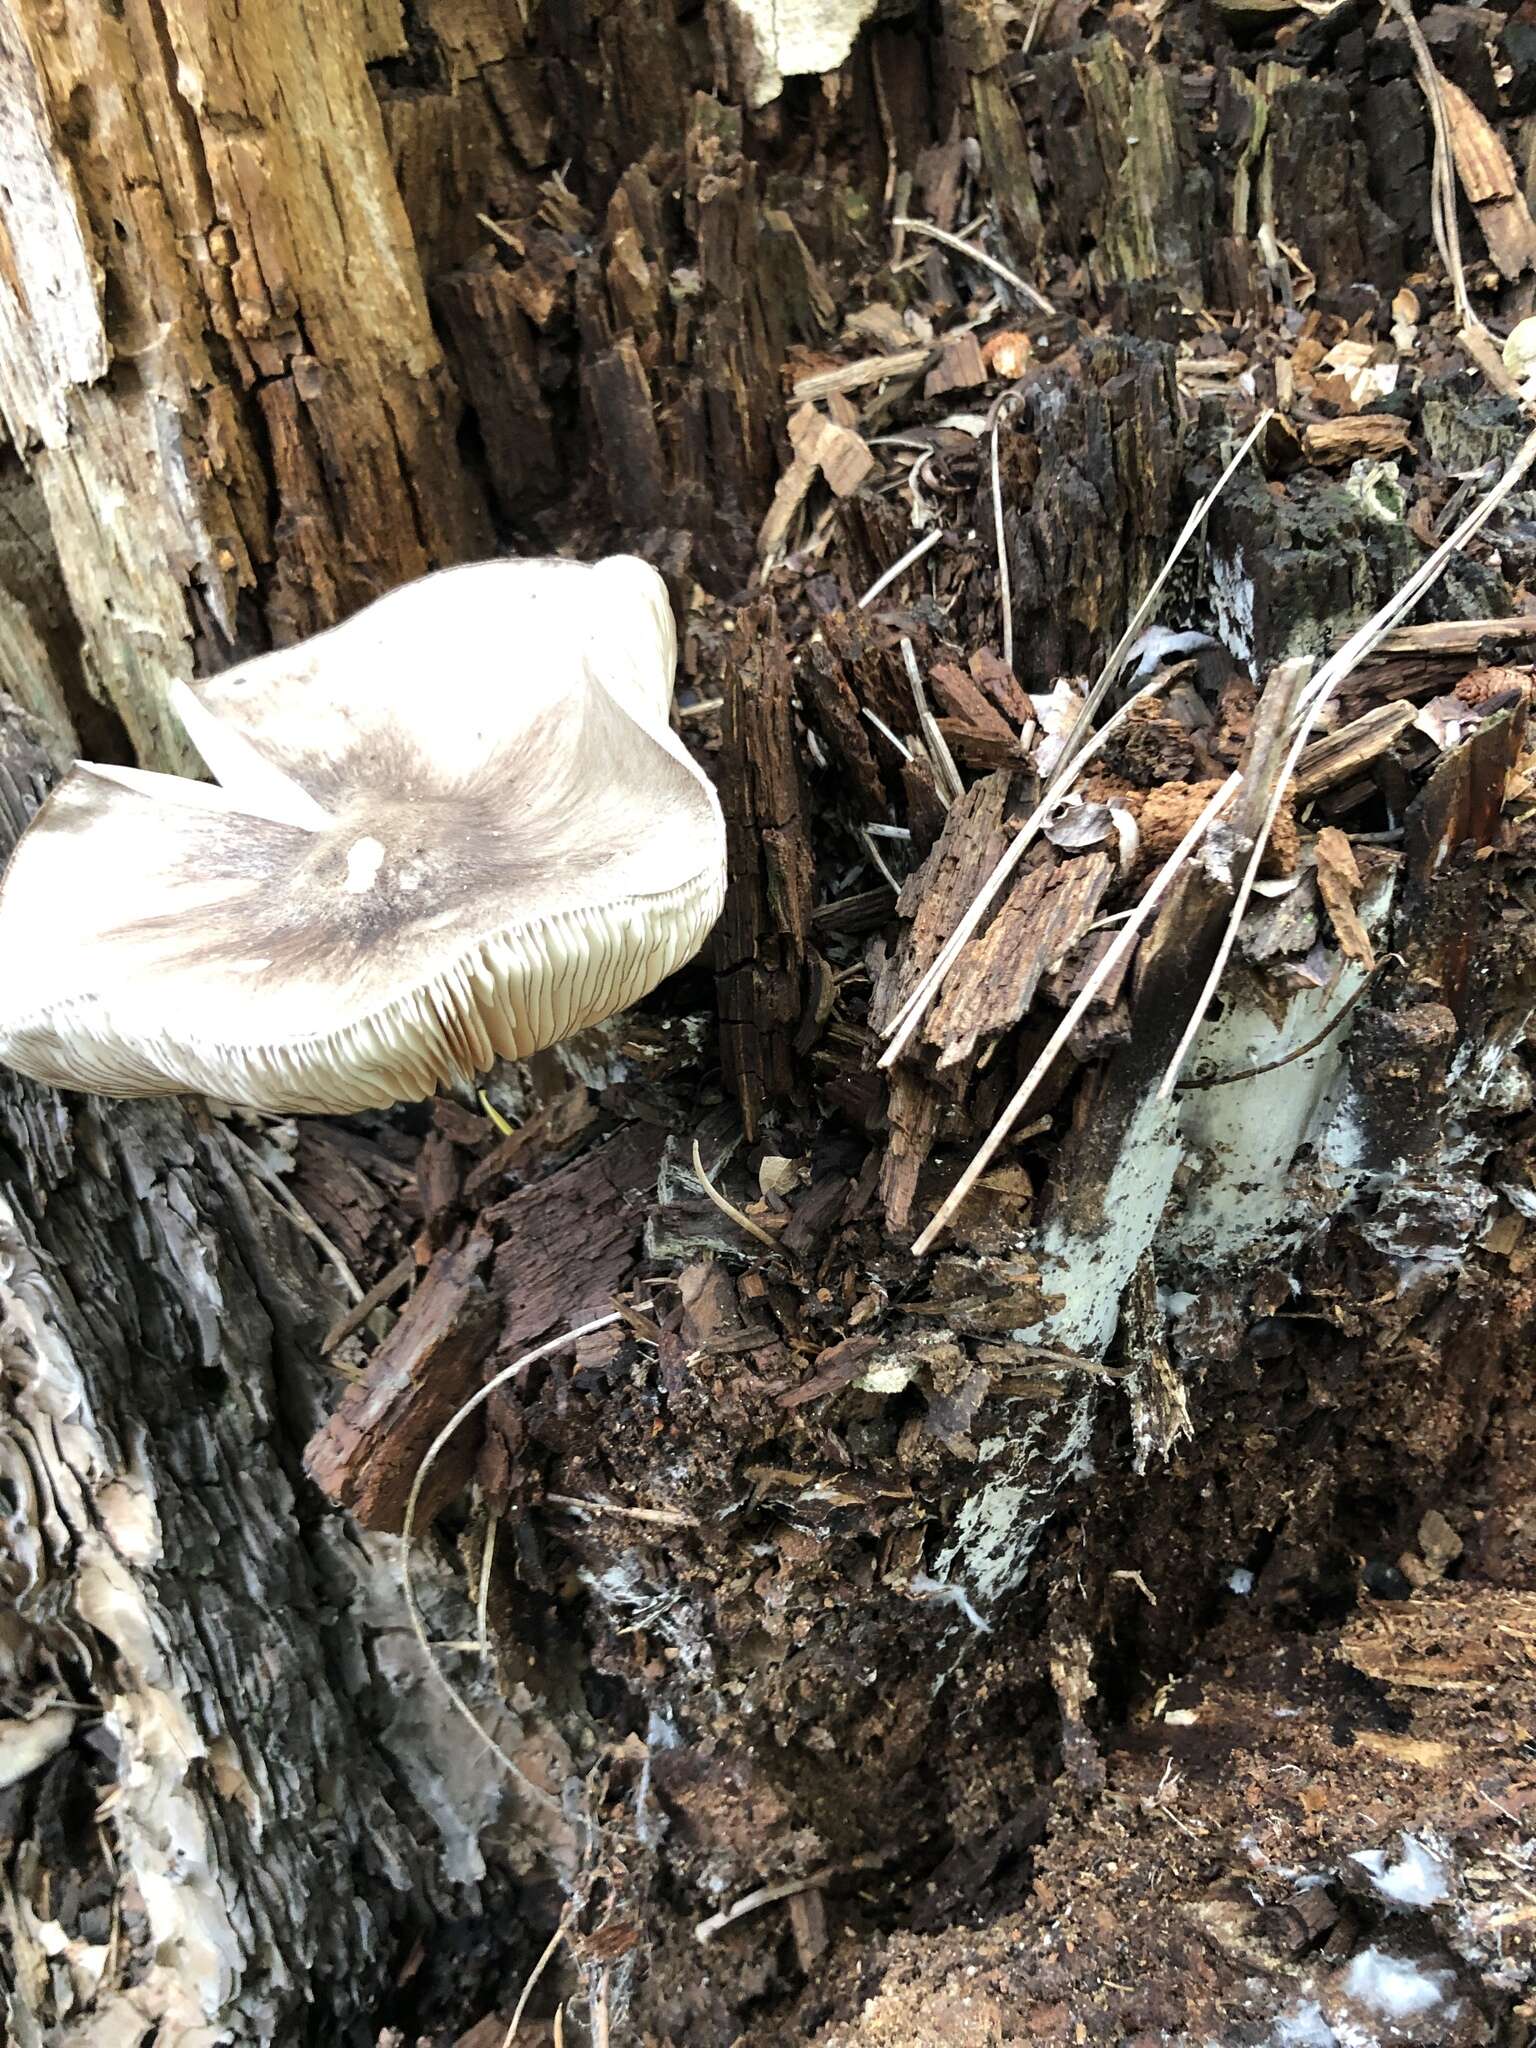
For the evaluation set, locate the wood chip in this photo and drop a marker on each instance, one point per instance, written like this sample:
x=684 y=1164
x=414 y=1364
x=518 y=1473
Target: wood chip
x=788 y=497
x=960 y=367
x=869 y=370
x=1339 y=884
x=1339 y=755
x=962 y=698
x=839 y=453
x=1370 y=435
x=995 y=979
x=1456 y=636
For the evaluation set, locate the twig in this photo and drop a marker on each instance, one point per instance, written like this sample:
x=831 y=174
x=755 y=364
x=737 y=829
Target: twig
x=929 y=725
x=1075 y=758
x=976 y=255
x=728 y=1207
x=1004 y=574
x=668 y=1518
x=537 y=1972
x=407 y=1584
x=913 y=554
x=1317 y=693
x=499 y=232
x=1114 y=954
x=358 y=1314
x=770 y=1894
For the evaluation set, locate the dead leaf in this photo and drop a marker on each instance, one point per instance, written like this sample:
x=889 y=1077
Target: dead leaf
x=1078 y=825
x=1339 y=883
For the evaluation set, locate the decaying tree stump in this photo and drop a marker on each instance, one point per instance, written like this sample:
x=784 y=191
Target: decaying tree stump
x=1116 y=1627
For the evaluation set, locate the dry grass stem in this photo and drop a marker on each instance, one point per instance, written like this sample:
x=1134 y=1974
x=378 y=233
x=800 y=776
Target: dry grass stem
x=928 y=725
x=885 y=733
x=963 y=248
x=536 y=1973
x=728 y=1207
x=299 y=1216
x=483 y=1596
x=1004 y=574
x=1058 y=1038
x=914 y=553
x=444 y=1436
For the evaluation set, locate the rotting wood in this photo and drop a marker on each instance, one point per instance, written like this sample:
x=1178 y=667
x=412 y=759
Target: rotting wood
x=1339 y=755
x=366 y=1456
x=762 y=936
x=994 y=981
x=504 y=1288
x=231 y=210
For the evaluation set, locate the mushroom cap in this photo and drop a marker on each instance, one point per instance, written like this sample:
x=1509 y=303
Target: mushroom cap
x=454 y=827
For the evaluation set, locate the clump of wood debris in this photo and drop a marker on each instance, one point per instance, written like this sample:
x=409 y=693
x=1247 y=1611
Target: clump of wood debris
x=869 y=1570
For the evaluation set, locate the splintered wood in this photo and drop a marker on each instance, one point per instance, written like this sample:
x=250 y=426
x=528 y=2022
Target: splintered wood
x=506 y=1286
x=763 y=935
x=996 y=978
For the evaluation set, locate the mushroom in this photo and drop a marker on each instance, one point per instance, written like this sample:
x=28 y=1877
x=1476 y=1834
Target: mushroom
x=457 y=826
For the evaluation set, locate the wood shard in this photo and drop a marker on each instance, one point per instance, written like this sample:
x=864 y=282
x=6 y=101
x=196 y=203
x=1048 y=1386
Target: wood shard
x=963 y=699
x=843 y=458
x=367 y=1455
x=995 y=980
x=936 y=895
x=1366 y=434
x=788 y=497
x=1339 y=884
x=1340 y=755
x=960 y=367
x=1488 y=178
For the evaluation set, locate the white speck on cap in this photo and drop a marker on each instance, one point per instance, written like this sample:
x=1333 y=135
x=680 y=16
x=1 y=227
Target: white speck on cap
x=364 y=859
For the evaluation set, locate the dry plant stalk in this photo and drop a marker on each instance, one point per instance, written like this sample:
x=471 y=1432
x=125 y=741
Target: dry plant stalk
x=969 y=249
x=1473 y=336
